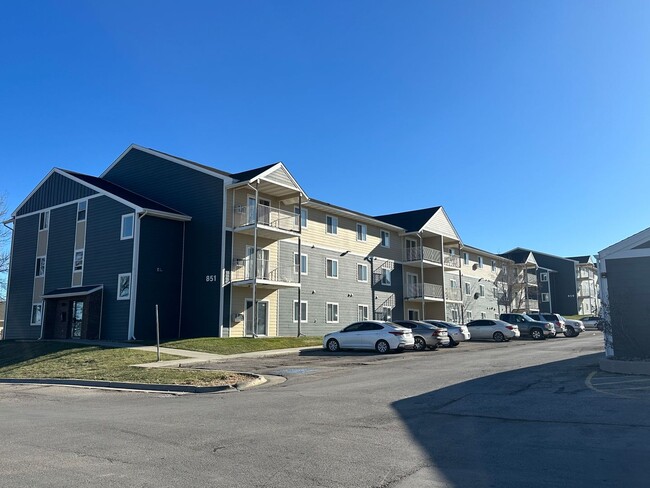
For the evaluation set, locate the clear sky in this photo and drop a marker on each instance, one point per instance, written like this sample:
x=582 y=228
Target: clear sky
x=528 y=121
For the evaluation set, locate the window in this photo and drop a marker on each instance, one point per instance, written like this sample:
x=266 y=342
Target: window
x=483 y=315
x=545 y=297
x=332 y=224
x=81 y=210
x=362 y=272
x=543 y=276
x=332 y=268
x=124 y=286
x=481 y=290
x=78 y=260
x=303 y=216
x=469 y=315
x=453 y=284
x=332 y=313
x=480 y=261
x=496 y=316
x=40 y=266
x=37 y=314
x=495 y=293
x=44 y=221
x=465 y=258
x=304 y=269
x=454 y=315
x=386 y=313
x=362 y=231
x=385 y=276
x=362 y=312
x=494 y=266
x=385 y=238
x=414 y=314
x=303 y=311
x=127 y=226
x=468 y=288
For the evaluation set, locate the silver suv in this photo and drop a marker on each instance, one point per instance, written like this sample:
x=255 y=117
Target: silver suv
x=533 y=328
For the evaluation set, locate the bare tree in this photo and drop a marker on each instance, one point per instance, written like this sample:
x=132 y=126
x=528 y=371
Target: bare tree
x=5 y=240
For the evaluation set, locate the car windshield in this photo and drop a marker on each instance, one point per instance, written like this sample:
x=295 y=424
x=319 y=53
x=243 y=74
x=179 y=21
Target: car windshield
x=527 y=318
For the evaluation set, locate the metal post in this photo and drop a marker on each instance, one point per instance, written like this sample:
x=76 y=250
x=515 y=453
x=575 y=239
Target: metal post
x=299 y=263
x=421 y=274
x=157 y=334
x=254 y=311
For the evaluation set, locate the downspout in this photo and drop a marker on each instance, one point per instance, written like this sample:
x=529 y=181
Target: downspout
x=460 y=284
x=421 y=272
x=254 y=312
x=299 y=263
x=444 y=283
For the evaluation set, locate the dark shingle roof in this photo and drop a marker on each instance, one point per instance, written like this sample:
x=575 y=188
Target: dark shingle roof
x=581 y=259
x=123 y=193
x=251 y=173
x=411 y=221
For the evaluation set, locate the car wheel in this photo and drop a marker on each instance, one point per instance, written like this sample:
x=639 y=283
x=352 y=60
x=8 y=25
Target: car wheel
x=537 y=334
x=434 y=347
x=333 y=345
x=420 y=344
x=382 y=347
x=498 y=336
x=452 y=343
x=570 y=332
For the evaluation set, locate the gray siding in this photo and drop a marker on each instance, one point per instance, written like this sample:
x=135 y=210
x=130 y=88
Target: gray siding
x=60 y=249
x=57 y=189
x=106 y=257
x=563 y=285
x=477 y=304
x=346 y=291
x=200 y=196
x=159 y=277
x=23 y=262
x=629 y=308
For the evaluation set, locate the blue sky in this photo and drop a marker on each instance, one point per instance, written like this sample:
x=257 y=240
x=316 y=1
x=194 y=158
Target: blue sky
x=528 y=121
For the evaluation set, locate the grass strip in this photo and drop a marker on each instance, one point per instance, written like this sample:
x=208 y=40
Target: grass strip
x=239 y=345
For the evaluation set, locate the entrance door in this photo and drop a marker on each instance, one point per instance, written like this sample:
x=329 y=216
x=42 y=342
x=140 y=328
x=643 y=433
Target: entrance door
x=76 y=319
x=414 y=314
x=62 y=320
x=261 y=318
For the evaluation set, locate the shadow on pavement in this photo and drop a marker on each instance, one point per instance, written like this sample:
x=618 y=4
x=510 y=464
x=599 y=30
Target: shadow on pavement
x=534 y=427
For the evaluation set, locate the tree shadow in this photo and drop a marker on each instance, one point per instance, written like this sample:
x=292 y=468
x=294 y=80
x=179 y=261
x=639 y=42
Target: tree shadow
x=534 y=427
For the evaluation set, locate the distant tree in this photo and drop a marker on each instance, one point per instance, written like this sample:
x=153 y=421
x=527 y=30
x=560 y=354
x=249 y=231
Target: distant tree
x=5 y=240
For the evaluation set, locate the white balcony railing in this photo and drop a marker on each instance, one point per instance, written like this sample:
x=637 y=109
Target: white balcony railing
x=244 y=270
x=423 y=290
x=268 y=216
x=422 y=254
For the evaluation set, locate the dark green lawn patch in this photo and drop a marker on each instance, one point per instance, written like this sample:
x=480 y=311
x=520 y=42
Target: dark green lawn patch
x=43 y=359
x=238 y=345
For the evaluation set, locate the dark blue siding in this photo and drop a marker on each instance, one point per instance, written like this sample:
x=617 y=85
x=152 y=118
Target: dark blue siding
x=57 y=189
x=60 y=247
x=106 y=257
x=159 y=277
x=21 y=288
x=200 y=196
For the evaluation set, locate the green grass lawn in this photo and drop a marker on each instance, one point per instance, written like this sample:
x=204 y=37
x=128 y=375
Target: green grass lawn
x=238 y=345
x=34 y=359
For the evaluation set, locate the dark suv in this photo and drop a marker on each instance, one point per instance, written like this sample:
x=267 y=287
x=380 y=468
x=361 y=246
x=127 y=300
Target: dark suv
x=527 y=326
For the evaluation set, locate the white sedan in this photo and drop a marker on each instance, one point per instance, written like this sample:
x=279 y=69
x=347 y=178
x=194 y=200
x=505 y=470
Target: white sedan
x=370 y=334
x=495 y=329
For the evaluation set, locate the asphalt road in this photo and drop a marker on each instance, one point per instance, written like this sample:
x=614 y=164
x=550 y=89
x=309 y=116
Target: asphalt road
x=518 y=414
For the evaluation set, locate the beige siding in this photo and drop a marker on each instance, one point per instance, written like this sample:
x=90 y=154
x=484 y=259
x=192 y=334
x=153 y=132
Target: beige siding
x=239 y=296
x=440 y=224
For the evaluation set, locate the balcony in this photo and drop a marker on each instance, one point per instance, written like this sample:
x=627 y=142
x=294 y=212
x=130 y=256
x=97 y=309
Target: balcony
x=427 y=256
x=272 y=223
x=269 y=274
x=585 y=275
x=428 y=291
x=452 y=260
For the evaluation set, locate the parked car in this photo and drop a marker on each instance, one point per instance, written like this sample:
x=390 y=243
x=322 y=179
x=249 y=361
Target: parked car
x=573 y=327
x=457 y=333
x=556 y=319
x=425 y=335
x=534 y=328
x=592 y=322
x=495 y=329
x=370 y=334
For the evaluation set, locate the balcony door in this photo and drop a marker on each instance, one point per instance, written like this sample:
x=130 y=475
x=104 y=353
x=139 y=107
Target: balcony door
x=262 y=264
x=412 y=281
x=412 y=253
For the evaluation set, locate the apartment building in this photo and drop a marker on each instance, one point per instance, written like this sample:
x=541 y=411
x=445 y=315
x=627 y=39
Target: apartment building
x=203 y=252
x=587 y=285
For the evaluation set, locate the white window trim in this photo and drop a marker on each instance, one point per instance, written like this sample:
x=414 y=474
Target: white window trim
x=124 y=217
x=306 y=271
x=483 y=315
x=335 y=225
x=416 y=314
x=327 y=309
x=365 y=266
x=31 y=317
x=364 y=232
x=383 y=233
x=74 y=260
x=37 y=268
x=453 y=283
x=480 y=261
x=481 y=290
x=306 y=317
x=337 y=269
x=44 y=220
x=543 y=277
x=465 y=258
x=386 y=278
x=454 y=315
x=85 y=202
x=119 y=278
x=297 y=211
x=494 y=266
x=468 y=288
x=545 y=295
x=469 y=314
x=366 y=309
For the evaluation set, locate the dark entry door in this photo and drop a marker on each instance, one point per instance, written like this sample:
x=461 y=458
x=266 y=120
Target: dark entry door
x=62 y=321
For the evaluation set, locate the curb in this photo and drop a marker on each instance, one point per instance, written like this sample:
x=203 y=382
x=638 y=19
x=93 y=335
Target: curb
x=118 y=385
x=625 y=367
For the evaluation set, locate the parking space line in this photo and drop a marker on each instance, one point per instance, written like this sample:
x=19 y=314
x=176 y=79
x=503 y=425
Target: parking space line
x=617 y=382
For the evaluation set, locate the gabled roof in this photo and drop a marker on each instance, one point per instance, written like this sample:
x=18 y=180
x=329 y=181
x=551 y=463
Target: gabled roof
x=582 y=259
x=636 y=244
x=74 y=291
x=251 y=173
x=520 y=256
x=410 y=221
x=122 y=193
